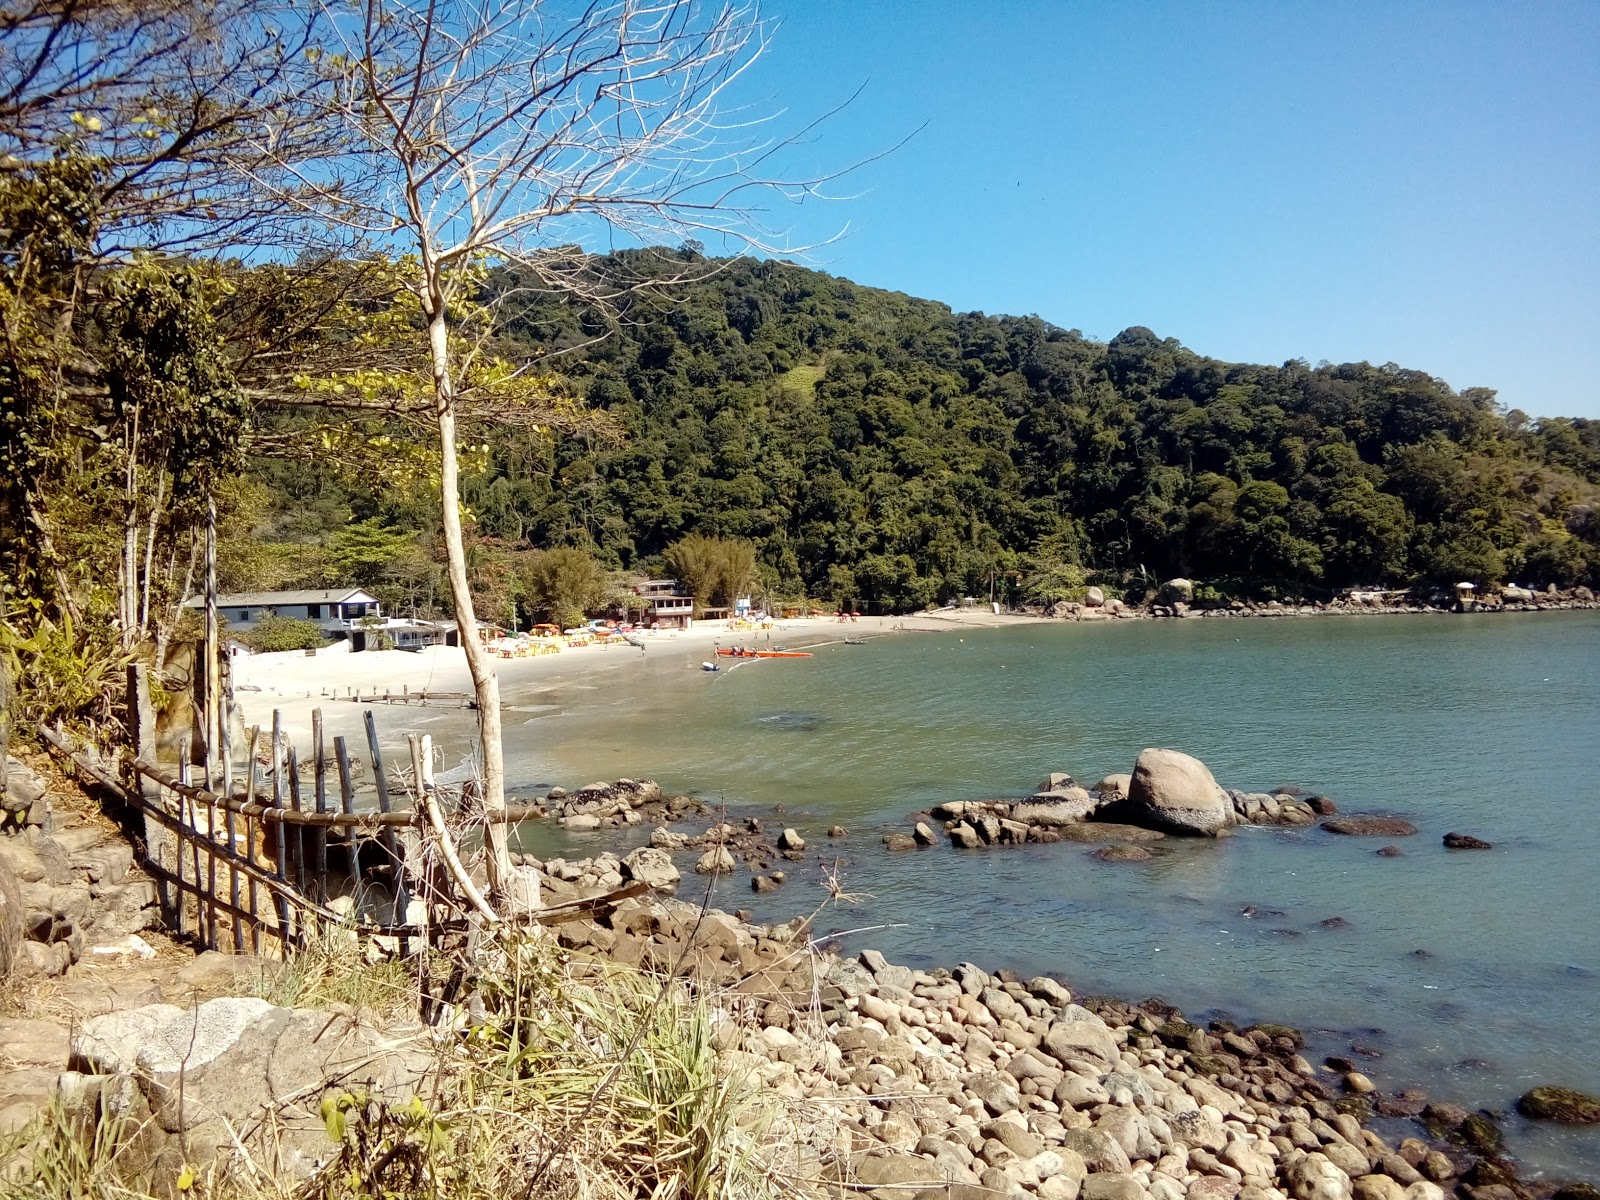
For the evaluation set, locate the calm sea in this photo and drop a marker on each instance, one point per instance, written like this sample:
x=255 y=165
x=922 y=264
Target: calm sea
x=1475 y=974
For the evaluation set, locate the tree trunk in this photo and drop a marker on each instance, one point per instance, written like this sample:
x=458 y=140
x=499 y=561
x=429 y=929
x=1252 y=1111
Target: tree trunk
x=485 y=682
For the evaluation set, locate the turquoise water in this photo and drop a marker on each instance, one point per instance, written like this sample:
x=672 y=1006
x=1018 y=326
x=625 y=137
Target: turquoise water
x=1486 y=725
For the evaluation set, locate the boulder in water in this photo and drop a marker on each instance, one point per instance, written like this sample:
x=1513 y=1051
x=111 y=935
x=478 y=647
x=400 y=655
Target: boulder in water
x=1465 y=841
x=1176 y=791
x=1369 y=826
x=1121 y=852
x=650 y=865
x=1565 y=1105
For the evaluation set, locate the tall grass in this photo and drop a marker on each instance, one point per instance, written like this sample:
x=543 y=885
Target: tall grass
x=583 y=1080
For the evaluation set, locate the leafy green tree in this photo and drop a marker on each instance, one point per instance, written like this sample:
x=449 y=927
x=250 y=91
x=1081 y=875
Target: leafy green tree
x=563 y=584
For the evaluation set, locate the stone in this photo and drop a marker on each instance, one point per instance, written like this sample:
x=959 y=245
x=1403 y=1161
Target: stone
x=1370 y=826
x=1465 y=841
x=1114 y=787
x=836 y=831
x=1377 y=1187
x=13 y=921
x=1121 y=853
x=1315 y=1178
x=651 y=866
x=1094 y=597
x=24 y=786
x=964 y=836
x=900 y=842
x=1061 y=806
x=1080 y=1031
x=997 y=1095
x=1175 y=791
x=1323 y=806
x=1115 y=1185
x=898 y=1170
x=715 y=861
x=1566 y=1106
x=580 y=823
x=923 y=834
x=1096 y=832
x=1099 y=1151
x=790 y=840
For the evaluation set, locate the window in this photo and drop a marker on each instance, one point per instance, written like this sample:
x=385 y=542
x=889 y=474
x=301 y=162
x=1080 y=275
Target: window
x=244 y=614
x=314 y=612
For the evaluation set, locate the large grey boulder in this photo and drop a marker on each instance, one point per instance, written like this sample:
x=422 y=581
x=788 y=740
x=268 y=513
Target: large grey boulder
x=1175 y=791
x=243 y=1068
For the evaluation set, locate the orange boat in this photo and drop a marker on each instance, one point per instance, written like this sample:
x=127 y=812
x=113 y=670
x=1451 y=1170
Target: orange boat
x=740 y=652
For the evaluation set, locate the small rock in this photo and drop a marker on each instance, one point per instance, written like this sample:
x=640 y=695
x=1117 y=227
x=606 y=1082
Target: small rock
x=1121 y=853
x=715 y=861
x=1390 y=852
x=790 y=840
x=900 y=841
x=964 y=836
x=923 y=834
x=1465 y=841
x=836 y=831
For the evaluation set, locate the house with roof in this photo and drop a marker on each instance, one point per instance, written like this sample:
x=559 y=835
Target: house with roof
x=344 y=614
x=665 y=606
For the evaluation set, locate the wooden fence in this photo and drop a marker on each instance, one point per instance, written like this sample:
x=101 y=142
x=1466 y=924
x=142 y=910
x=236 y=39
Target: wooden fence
x=292 y=845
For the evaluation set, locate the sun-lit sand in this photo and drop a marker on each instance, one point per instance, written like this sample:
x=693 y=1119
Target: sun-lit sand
x=294 y=684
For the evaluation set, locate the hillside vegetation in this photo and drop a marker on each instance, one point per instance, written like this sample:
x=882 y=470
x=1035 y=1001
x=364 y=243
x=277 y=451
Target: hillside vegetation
x=885 y=450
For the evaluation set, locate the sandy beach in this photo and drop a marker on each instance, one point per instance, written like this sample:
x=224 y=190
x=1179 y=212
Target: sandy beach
x=294 y=684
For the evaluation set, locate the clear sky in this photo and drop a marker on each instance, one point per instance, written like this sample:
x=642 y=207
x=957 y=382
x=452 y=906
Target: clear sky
x=1406 y=182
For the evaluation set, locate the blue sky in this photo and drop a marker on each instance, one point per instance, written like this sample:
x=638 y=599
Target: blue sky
x=1406 y=182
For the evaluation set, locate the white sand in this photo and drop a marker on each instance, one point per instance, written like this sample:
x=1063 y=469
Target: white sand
x=293 y=684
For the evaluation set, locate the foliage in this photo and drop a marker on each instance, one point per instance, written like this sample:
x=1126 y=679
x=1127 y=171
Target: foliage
x=713 y=569
x=65 y=670
x=563 y=584
x=881 y=448
x=276 y=634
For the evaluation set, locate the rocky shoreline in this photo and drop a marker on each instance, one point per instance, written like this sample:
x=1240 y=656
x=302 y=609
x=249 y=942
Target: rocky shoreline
x=1177 y=598
x=964 y=1083
x=1279 y=1135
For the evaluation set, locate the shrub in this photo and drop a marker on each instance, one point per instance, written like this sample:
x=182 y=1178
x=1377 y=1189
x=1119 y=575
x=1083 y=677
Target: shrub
x=273 y=634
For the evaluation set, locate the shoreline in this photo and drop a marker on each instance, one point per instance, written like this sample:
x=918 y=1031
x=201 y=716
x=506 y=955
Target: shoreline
x=952 y=1078
x=296 y=683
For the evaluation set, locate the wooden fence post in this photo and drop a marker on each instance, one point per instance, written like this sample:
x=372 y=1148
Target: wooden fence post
x=161 y=844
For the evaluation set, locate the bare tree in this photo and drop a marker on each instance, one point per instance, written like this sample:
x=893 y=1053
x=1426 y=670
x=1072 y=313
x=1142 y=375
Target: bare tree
x=168 y=99
x=484 y=132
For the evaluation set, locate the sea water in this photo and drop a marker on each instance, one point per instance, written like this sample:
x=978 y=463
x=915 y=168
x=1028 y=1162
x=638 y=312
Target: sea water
x=1475 y=975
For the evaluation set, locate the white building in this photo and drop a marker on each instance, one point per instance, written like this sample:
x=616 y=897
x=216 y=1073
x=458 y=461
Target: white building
x=342 y=613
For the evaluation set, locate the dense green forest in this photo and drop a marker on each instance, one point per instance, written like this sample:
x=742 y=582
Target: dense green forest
x=883 y=450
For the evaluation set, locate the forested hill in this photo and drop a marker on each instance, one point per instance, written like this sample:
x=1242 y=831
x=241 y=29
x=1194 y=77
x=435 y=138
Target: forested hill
x=881 y=448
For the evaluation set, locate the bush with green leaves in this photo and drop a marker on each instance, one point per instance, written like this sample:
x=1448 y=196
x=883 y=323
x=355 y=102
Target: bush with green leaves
x=275 y=634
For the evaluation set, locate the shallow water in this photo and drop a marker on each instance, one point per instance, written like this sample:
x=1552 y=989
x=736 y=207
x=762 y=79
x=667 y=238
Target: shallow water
x=1488 y=725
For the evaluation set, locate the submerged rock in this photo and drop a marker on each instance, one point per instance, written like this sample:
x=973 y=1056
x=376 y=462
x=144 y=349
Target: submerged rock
x=1121 y=852
x=1465 y=841
x=1370 y=826
x=1565 y=1105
